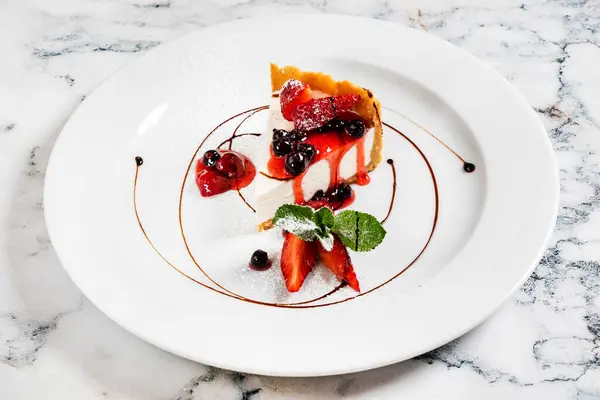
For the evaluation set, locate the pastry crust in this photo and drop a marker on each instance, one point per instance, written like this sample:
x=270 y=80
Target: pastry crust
x=368 y=107
x=263 y=226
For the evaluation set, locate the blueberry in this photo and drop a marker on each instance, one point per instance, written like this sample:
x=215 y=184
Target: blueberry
x=307 y=149
x=296 y=163
x=355 y=128
x=342 y=192
x=319 y=195
x=278 y=134
x=260 y=260
x=282 y=147
x=337 y=125
x=210 y=158
x=296 y=136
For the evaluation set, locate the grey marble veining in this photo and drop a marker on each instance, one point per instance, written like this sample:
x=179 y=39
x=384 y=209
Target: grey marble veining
x=542 y=344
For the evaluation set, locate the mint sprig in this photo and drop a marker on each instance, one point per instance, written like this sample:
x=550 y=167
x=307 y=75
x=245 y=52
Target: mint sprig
x=358 y=231
x=305 y=223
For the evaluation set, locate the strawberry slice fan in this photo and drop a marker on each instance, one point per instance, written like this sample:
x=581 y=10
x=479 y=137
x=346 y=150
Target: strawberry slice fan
x=298 y=258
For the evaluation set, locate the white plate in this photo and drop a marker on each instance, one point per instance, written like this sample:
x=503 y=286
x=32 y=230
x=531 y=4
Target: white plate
x=491 y=228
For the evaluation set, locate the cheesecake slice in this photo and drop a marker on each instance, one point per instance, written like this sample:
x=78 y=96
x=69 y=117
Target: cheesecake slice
x=322 y=135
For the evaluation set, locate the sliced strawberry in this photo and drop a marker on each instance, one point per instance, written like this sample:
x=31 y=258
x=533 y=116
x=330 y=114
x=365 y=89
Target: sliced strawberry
x=317 y=112
x=293 y=92
x=211 y=183
x=338 y=261
x=297 y=260
x=345 y=103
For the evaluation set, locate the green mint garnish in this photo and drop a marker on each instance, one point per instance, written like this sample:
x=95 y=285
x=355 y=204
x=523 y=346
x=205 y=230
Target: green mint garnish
x=324 y=218
x=358 y=231
x=305 y=223
x=299 y=220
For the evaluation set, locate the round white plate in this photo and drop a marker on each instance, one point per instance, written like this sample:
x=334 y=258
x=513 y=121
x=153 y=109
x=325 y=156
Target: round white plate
x=491 y=225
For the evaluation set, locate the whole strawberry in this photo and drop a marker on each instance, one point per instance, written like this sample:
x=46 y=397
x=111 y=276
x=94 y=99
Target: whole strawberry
x=293 y=92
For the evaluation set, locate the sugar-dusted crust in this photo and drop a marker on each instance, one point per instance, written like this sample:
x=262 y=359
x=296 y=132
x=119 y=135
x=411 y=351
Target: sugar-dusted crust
x=368 y=107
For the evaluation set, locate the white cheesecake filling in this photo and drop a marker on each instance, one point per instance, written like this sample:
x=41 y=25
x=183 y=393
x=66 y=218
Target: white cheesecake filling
x=270 y=194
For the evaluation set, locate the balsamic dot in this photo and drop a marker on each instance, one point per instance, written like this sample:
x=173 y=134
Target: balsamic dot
x=139 y=161
x=469 y=167
x=390 y=161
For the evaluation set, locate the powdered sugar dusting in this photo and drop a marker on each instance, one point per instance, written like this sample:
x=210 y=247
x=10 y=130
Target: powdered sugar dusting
x=327 y=241
x=301 y=227
x=313 y=114
x=292 y=85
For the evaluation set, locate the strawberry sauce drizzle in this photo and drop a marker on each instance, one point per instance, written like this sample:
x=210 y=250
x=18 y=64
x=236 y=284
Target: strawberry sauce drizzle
x=362 y=178
x=298 y=191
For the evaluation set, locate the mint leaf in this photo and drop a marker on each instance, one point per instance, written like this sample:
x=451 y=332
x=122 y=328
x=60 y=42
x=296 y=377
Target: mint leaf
x=324 y=219
x=358 y=231
x=298 y=220
x=293 y=210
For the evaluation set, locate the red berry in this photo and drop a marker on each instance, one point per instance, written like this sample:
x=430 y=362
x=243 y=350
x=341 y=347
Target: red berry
x=297 y=260
x=338 y=261
x=345 y=103
x=293 y=92
x=230 y=165
x=317 y=112
x=211 y=183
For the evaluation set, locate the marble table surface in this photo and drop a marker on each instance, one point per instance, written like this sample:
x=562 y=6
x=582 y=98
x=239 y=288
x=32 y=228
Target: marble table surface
x=542 y=344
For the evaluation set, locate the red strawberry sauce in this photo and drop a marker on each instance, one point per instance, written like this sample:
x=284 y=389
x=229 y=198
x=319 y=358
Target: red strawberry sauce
x=233 y=176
